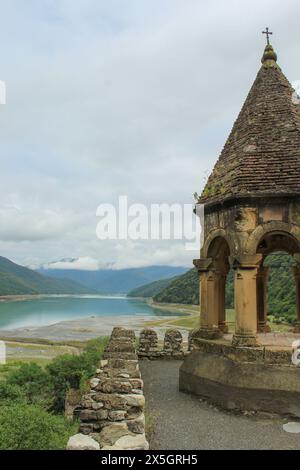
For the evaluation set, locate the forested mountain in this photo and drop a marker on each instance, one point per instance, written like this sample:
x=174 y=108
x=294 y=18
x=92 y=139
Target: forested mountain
x=281 y=287
x=18 y=280
x=152 y=289
x=114 y=281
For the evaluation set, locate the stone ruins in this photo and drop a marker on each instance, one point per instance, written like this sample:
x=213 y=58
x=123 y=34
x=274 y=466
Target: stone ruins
x=172 y=345
x=112 y=412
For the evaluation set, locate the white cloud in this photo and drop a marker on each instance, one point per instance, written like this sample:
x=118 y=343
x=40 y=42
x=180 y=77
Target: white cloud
x=111 y=98
x=85 y=263
x=32 y=224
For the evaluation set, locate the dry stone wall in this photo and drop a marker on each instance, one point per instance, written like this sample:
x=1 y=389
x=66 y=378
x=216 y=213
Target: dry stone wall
x=112 y=412
x=172 y=345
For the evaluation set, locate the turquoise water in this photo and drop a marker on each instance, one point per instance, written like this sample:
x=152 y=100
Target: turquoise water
x=48 y=310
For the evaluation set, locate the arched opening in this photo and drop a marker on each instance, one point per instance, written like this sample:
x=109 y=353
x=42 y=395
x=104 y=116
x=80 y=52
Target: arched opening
x=278 y=285
x=278 y=241
x=219 y=252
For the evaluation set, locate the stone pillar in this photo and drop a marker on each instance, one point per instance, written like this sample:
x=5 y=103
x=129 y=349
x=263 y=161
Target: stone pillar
x=261 y=292
x=221 y=307
x=297 y=280
x=172 y=342
x=209 y=304
x=209 y=293
x=148 y=342
x=245 y=306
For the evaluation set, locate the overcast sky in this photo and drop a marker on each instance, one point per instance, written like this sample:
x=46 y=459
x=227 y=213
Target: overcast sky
x=120 y=97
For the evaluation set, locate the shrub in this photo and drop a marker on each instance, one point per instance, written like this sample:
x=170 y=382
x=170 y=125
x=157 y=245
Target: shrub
x=68 y=371
x=34 y=382
x=65 y=372
x=29 y=427
x=10 y=393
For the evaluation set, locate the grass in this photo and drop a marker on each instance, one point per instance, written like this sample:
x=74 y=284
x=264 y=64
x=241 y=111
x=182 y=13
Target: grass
x=44 y=347
x=33 y=351
x=280 y=327
x=13 y=364
x=5 y=369
x=188 y=318
x=151 y=417
x=42 y=341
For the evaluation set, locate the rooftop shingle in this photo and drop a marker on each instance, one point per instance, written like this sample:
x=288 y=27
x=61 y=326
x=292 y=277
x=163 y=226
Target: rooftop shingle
x=262 y=153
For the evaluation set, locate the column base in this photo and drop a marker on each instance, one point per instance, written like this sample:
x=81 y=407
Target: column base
x=223 y=327
x=297 y=328
x=244 y=341
x=263 y=328
x=208 y=333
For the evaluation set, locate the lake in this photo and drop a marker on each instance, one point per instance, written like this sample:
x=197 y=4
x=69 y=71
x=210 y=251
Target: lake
x=45 y=311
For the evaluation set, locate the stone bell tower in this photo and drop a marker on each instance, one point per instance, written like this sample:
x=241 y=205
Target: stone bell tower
x=252 y=206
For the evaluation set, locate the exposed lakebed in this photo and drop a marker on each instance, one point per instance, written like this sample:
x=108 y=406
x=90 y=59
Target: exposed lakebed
x=74 y=317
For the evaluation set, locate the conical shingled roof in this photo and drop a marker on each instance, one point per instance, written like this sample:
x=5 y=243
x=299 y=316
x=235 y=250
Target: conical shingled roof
x=262 y=153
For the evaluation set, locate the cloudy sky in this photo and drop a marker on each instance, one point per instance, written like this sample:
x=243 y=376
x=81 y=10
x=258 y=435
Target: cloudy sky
x=120 y=97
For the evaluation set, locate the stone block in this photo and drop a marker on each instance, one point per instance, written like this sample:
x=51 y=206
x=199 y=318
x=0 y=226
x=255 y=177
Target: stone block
x=137 y=425
x=173 y=341
x=130 y=442
x=111 y=433
x=82 y=442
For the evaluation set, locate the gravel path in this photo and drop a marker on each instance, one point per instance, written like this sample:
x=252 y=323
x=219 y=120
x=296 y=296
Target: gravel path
x=179 y=421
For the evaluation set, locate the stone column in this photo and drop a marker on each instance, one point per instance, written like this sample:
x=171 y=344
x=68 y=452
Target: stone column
x=261 y=292
x=297 y=280
x=245 y=304
x=222 y=311
x=209 y=304
x=208 y=299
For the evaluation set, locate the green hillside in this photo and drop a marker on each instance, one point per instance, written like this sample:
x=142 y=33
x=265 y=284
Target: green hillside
x=18 y=280
x=183 y=290
x=152 y=289
x=281 y=288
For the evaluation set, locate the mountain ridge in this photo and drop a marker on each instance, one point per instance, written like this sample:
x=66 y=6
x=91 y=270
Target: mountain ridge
x=19 y=280
x=116 y=281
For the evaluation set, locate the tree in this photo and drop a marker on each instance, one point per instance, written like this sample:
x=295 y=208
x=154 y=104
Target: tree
x=69 y=371
x=29 y=427
x=10 y=393
x=35 y=384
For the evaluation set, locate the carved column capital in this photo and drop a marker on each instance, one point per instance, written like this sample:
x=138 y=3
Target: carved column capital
x=203 y=264
x=245 y=261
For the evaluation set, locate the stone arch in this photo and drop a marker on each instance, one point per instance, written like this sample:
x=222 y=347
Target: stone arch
x=272 y=228
x=219 y=252
x=213 y=281
x=217 y=234
x=267 y=238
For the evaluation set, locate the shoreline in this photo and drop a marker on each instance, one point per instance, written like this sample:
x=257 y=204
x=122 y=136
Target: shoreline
x=80 y=330
x=182 y=309
x=22 y=297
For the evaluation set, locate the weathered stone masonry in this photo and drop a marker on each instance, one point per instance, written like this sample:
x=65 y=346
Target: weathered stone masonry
x=172 y=345
x=112 y=412
x=251 y=209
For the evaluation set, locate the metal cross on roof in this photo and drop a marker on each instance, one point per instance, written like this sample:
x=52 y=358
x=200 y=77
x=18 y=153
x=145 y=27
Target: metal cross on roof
x=267 y=32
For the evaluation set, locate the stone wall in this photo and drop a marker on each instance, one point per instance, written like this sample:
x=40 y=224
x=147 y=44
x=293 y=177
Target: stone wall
x=172 y=345
x=112 y=412
x=242 y=379
x=243 y=224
